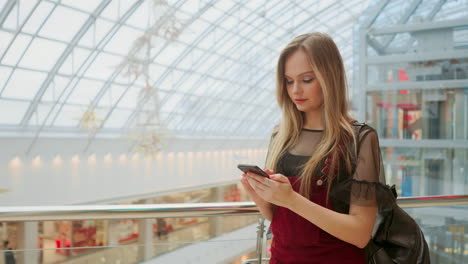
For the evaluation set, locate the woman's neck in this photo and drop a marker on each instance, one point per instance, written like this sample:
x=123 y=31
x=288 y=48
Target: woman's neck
x=314 y=120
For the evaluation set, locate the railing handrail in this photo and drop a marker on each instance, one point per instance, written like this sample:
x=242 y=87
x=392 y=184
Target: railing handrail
x=140 y=211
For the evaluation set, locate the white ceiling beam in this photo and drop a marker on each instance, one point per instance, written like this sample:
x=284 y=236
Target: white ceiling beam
x=402 y=28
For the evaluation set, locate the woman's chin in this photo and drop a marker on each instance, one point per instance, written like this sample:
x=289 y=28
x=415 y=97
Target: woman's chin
x=301 y=108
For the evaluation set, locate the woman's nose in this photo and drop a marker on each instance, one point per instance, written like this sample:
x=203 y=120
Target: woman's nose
x=296 y=88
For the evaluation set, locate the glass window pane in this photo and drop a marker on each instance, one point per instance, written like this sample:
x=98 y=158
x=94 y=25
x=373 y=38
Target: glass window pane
x=70 y=115
x=123 y=40
x=42 y=54
x=24 y=84
x=39 y=15
x=115 y=9
x=130 y=98
x=85 y=91
x=118 y=118
x=188 y=84
x=103 y=66
x=55 y=27
x=15 y=19
x=15 y=110
x=74 y=61
x=95 y=33
x=4 y=74
x=16 y=49
x=191 y=6
x=5 y=38
x=140 y=18
x=40 y=114
x=226 y=5
x=55 y=89
x=86 y=5
x=212 y=15
x=172 y=103
x=111 y=95
x=229 y=23
x=170 y=53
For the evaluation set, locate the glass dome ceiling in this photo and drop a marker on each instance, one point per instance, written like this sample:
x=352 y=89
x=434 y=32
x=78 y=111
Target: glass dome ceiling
x=196 y=67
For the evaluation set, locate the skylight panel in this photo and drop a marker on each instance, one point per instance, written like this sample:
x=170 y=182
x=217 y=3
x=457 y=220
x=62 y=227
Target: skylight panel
x=96 y=33
x=195 y=29
x=15 y=18
x=38 y=17
x=212 y=15
x=116 y=9
x=130 y=98
x=70 y=115
x=42 y=54
x=55 y=27
x=169 y=82
x=74 y=61
x=55 y=89
x=16 y=50
x=172 y=104
x=156 y=71
x=111 y=95
x=191 y=6
x=189 y=83
x=15 y=110
x=226 y=5
x=103 y=66
x=170 y=54
x=85 y=5
x=123 y=40
x=118 y=118
x=4 y=75
x=229 y=44
x=23 y=84
x=142 y=17
x=5 y=39
x=40 y=114
x=85 y=91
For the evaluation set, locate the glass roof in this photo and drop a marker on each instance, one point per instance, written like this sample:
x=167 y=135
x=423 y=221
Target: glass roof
x=211 y=63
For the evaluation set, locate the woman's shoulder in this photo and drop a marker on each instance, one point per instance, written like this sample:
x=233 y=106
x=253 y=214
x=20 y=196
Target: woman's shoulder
x=363 y=129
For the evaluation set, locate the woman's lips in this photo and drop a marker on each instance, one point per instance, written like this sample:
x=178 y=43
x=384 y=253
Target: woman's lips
x=299 y=101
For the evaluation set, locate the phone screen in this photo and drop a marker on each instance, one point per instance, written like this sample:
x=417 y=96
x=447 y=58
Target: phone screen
x=252 y=168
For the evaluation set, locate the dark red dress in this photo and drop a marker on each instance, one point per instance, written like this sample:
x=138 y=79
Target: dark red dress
x=298 y=241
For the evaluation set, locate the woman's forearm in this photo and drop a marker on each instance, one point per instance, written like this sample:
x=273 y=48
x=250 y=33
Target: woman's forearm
x=354 y=229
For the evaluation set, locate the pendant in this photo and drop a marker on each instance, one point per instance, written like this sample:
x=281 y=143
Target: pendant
x=319 y=182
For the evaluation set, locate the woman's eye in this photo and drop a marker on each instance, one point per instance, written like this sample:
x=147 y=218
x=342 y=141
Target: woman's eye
x=308 y=80
x=289 y=82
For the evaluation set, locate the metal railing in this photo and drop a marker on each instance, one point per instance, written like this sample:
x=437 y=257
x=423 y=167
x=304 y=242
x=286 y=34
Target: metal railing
x=142 y=211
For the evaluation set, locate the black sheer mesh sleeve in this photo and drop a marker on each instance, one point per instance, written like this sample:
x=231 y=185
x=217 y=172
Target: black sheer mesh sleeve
x=366 y=186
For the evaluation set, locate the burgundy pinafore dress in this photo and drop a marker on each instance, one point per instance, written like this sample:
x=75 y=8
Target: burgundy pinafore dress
x=298 y=241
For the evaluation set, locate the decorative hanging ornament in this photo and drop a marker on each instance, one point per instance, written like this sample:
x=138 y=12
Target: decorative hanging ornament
x=89 y=121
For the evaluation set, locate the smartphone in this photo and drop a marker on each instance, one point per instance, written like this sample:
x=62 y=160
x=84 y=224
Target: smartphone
x=252 y=168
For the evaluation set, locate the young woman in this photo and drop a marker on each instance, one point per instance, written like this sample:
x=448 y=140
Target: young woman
x=324 y=167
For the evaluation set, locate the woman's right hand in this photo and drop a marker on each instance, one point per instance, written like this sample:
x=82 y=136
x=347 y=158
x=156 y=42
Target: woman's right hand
x=265 y=207
x=250 y=191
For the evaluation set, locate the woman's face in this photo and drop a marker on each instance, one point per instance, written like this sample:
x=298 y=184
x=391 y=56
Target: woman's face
x=303 y=87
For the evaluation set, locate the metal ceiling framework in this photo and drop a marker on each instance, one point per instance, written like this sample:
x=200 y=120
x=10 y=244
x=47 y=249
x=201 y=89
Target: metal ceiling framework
x=233 y=95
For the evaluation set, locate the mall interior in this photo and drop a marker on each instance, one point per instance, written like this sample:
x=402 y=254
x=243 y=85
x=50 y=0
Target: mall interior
x=122 y=121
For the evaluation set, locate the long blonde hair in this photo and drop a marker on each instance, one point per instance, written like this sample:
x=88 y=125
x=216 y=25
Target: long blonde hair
x=328 y=67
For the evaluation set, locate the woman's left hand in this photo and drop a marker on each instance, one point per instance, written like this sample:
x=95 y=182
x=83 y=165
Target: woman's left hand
x=277 y=189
